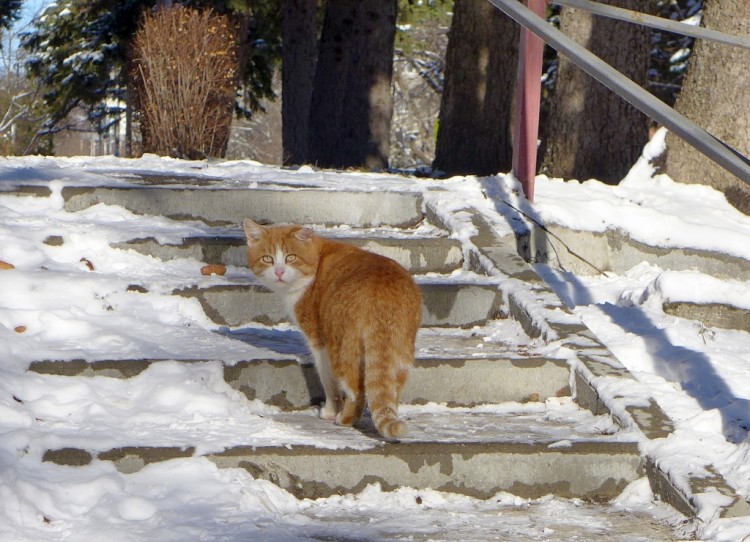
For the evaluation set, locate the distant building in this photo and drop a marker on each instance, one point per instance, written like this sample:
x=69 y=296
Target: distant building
x=82 y=139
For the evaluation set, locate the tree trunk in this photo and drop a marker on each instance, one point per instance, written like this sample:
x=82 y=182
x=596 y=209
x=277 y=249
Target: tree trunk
x=592 y=132
x=352 y=104
x=474 y=130
x=715 y=96
x=299 y=52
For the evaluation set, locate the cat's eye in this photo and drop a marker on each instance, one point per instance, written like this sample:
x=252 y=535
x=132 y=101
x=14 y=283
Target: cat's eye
x=290 y=258
x=267 y=259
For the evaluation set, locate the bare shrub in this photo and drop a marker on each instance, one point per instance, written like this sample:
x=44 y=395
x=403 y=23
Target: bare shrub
x=185 y=77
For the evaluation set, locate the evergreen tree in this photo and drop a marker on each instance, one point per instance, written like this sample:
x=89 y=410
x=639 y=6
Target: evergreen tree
x=78 y=54
x=10 y=11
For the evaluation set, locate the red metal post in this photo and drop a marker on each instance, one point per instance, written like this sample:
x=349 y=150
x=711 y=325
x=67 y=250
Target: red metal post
x=528 y=96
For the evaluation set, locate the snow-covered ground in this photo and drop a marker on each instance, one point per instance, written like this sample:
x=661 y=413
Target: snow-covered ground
x=70 y=301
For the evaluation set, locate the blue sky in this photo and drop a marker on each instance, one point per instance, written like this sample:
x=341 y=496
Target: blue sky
x=31 y=8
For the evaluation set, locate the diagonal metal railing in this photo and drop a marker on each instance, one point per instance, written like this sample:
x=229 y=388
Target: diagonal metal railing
x=660 y=23
x=718 y=151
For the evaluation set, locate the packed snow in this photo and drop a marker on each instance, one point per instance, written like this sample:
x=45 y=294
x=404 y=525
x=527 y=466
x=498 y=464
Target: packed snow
x=71 y=300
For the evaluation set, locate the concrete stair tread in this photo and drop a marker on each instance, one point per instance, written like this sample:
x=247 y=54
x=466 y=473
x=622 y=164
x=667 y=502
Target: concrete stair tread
x=501 y=340
x=245 y=279
x=174 y=231
x=553 y=424
x=721 y=315
x=530 y=450
x=418 y=252
x=447 y=301
x=225 y=205
x=529 y=462
x=456 y=367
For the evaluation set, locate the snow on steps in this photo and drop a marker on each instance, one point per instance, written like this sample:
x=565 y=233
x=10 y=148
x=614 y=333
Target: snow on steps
x=222 y=207
x=500 y=376
x=525 y=298
x=596 y=471
x=599 y=378
x=586 y=253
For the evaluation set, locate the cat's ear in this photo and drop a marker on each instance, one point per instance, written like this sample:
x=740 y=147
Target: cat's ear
x=304 y=234
x=253 y=231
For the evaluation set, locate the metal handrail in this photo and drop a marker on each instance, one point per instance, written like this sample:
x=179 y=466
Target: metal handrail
x=725 y=156
x=661 y=23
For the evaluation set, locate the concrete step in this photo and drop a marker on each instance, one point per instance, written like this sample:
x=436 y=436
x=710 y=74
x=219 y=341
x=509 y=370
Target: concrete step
x=590 y=253
x=417 y=254
x=476 y=451
x=591 y=466
x=711 y=314
x=452 y=367
x=468 y=452
x=447 y=304
x=230 y=206
x=454 y=382
x=291 y=385
x=593 y=472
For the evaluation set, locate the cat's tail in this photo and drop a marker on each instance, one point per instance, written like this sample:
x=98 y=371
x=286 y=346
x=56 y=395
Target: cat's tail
x=385 y=375
x=388 y=425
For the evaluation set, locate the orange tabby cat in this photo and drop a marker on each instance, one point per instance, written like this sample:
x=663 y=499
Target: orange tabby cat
x=359 y=312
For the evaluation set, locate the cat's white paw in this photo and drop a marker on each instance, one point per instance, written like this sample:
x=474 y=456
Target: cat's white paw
x=328 y=412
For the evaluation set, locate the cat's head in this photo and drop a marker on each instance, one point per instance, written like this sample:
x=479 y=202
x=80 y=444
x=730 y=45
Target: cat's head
x=283 y=258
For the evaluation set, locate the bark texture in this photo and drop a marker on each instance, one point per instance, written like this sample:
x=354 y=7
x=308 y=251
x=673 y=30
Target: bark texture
x=474 y=132
x=592 y=132
x=299 y=52
x=352 y=104
x=716 y=97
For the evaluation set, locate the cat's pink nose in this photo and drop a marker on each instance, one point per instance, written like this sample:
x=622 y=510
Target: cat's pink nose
x=279 y=271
